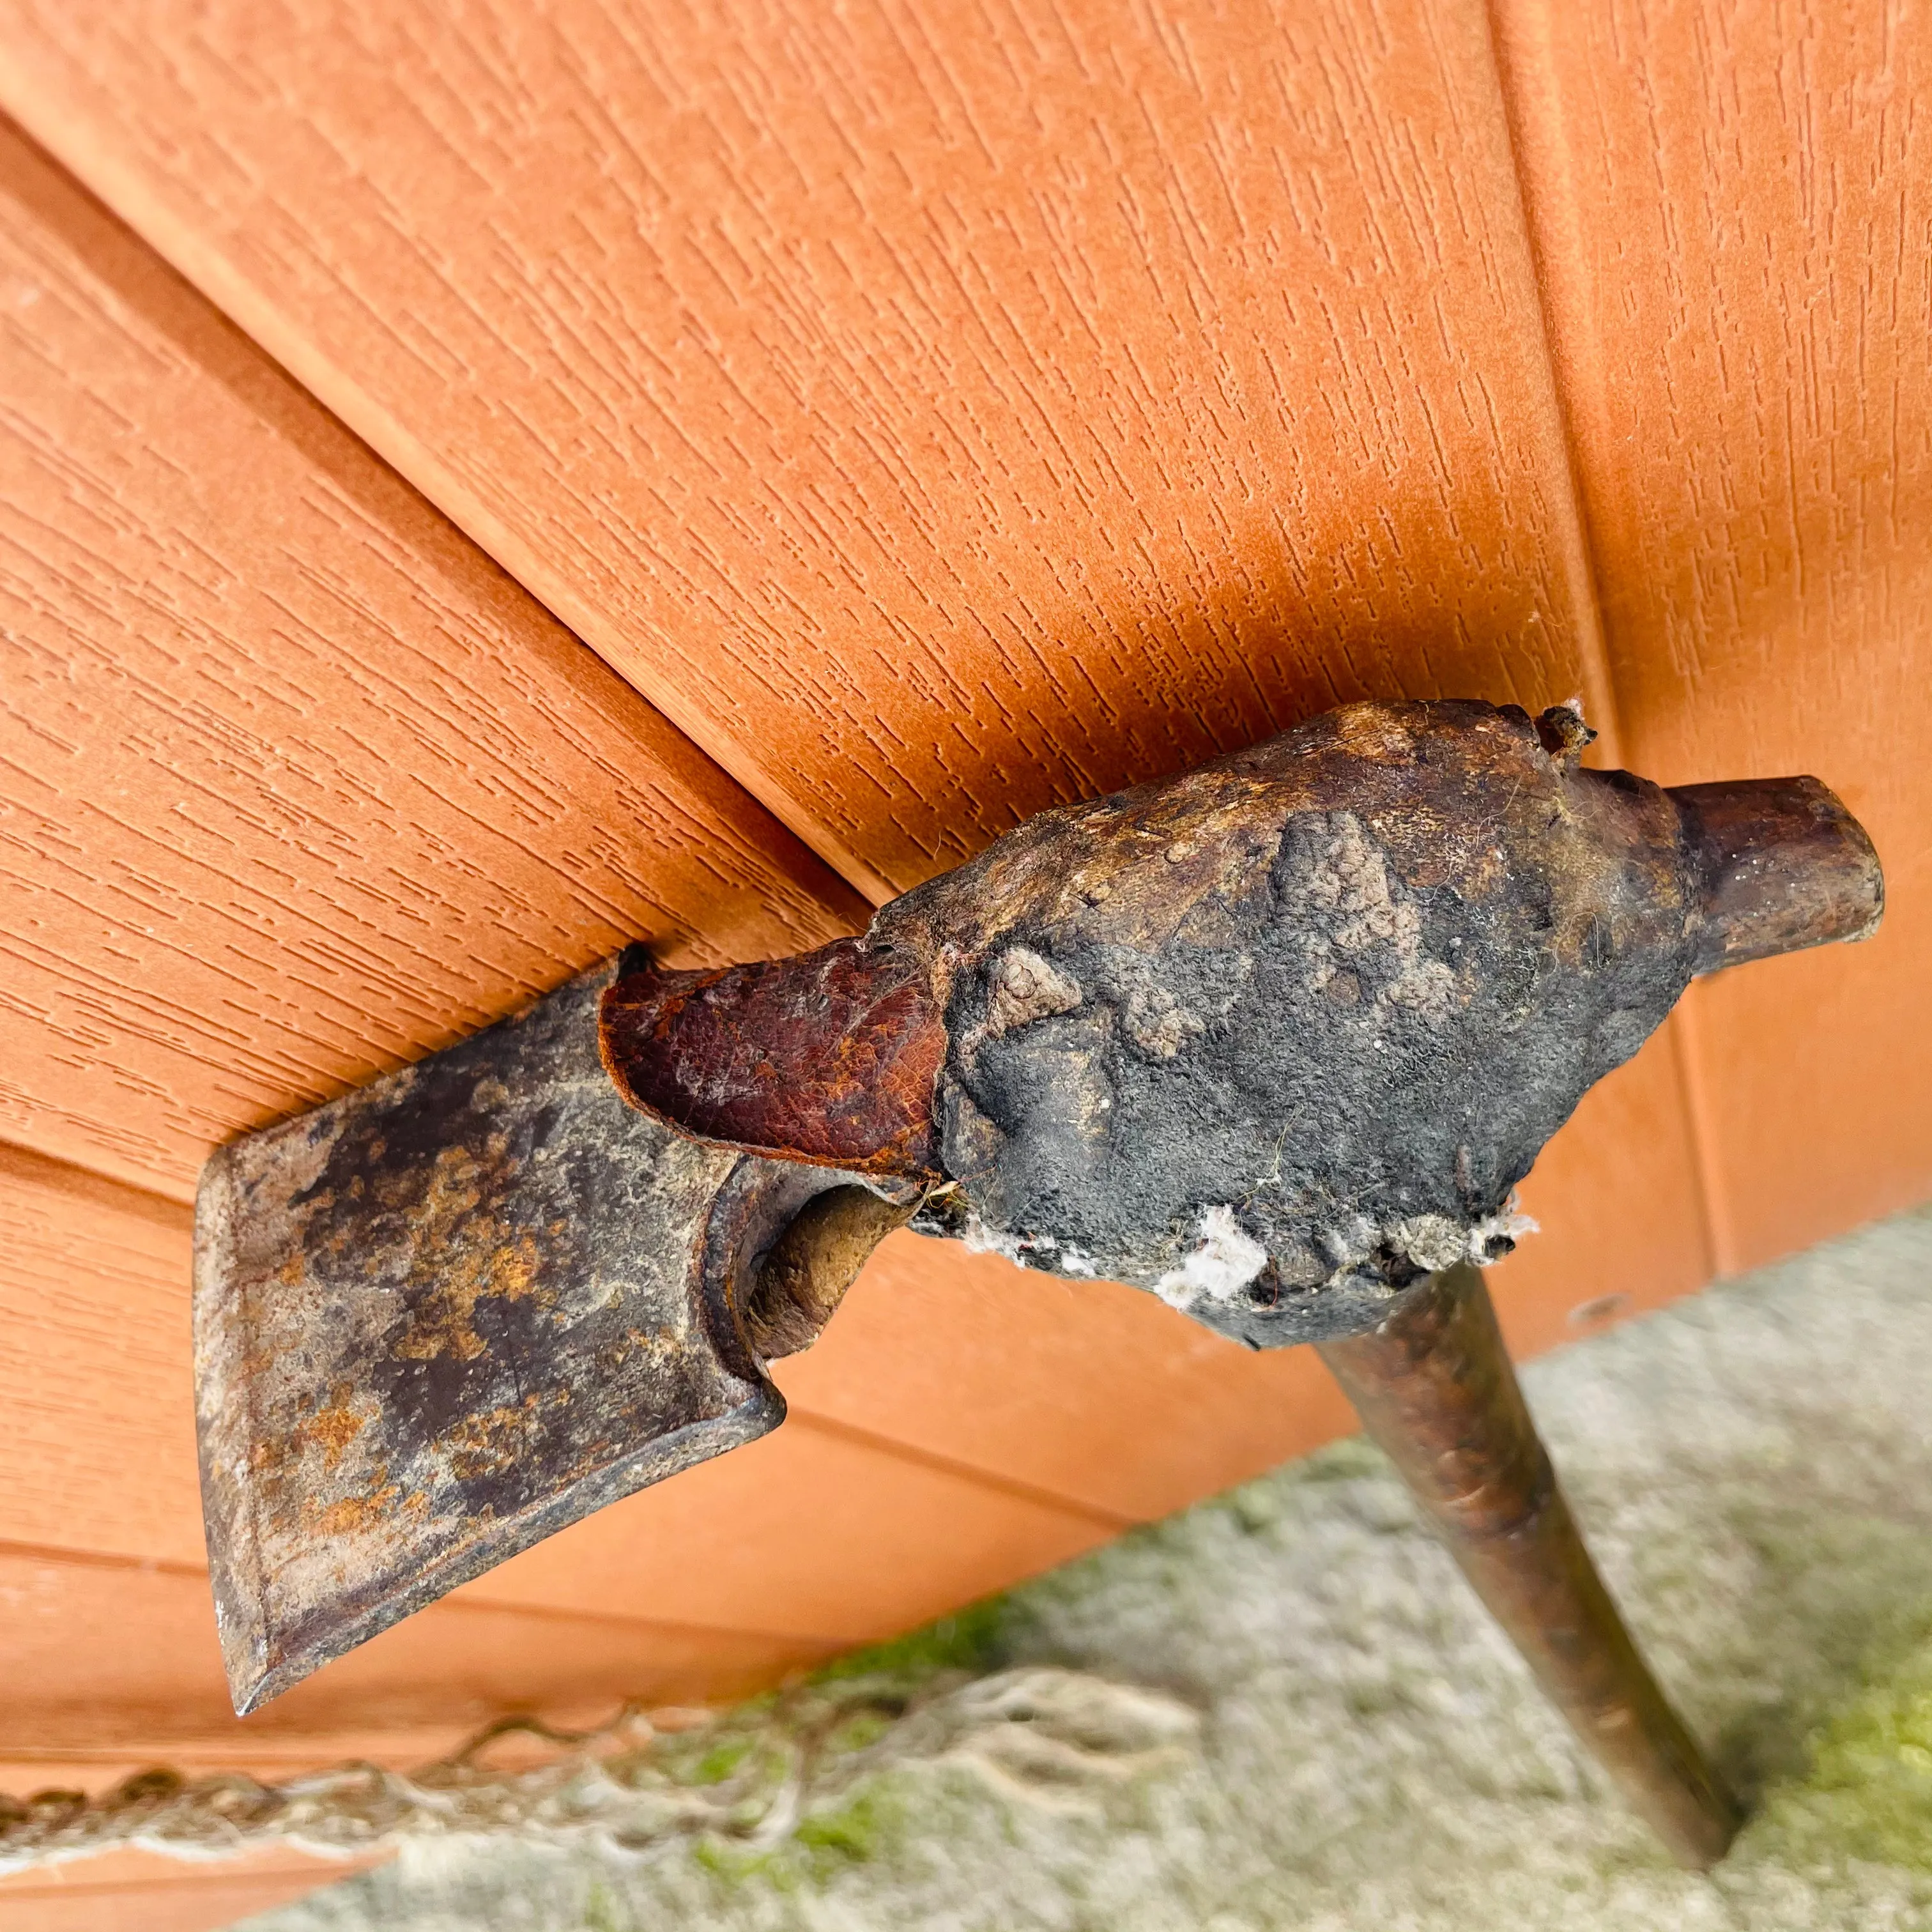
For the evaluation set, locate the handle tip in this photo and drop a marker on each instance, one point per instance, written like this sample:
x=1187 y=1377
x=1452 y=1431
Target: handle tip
x=1780 y=865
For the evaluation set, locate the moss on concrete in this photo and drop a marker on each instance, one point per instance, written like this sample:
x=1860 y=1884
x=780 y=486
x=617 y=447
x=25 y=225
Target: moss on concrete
x=975 y=1639
x=1867 y=1792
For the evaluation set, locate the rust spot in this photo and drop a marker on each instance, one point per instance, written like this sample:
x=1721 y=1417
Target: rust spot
x=829 y=1058
x=466 y=1257
x=349 y=1515
x=488 y=1443
x=334 y=1429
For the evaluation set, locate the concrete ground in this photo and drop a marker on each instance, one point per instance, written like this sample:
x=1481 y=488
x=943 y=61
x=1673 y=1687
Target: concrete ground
x=1282 y=1712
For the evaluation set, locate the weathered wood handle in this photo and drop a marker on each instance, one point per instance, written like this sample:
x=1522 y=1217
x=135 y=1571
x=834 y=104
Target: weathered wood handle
x=1435 y=1389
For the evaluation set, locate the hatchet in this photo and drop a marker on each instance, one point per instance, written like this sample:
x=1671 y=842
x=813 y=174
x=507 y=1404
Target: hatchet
x=1275 y=1039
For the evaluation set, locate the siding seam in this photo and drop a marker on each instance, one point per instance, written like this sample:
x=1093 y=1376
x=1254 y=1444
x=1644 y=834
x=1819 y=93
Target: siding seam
x=161 y=1566
x=1015 y=1487
x=77 y=1181
x=1593 y=637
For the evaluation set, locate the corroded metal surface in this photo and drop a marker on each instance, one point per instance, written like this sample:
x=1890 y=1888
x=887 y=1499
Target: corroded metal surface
x=1434 y=1388
x=442 y=1318
x=831 y=1056
x=1276 y=1037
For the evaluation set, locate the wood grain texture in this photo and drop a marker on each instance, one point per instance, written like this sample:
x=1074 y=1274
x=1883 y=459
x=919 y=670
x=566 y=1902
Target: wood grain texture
x=294 y=783
x=1732 y=204
x=940 y=414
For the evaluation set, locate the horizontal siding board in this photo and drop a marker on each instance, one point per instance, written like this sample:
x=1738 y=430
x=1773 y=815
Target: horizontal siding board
x=1097 y=1392
x=114 y=1660
x=294 y=783
x=1222 y=393
x=116 y=1890
x=96 y=1432
x=804 y=1532
x=1732 y=207
x=940 y=415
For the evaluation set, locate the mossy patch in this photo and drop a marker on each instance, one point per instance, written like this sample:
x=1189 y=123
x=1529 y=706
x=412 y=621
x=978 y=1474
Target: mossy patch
x=868 y=1824
x=1868 y=1793
x=602 y=1913
x=974 y=1640
x=731 y=1865
x=743 y=1746
x=721 y=1761
x=858 y=1733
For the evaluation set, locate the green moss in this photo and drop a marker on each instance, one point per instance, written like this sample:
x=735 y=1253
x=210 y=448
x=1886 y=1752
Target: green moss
x=972 y=1639
x=866 y=1825
x=730 y=1864
x=857 y=1732
x=869 y=1823
x=1256 y=1506
x=721 y=1761
x=1867 y=1794
x=600 y=1913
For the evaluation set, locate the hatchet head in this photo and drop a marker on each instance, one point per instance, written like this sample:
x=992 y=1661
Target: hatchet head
x=459 y=1309
x=1272 y=1040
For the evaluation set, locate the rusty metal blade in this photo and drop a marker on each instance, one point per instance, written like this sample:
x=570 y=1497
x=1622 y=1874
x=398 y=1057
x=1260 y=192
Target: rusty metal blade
x=441 y=1319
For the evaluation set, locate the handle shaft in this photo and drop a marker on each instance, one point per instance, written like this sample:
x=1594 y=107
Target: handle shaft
x=1435 y=1389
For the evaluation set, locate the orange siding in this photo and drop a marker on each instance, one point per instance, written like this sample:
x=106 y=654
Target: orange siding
x=99 y=1415
x=110 y=1662
x=296 y=783
x=128 y=1889
x=1091 y=1391
x=939 y=412
x=1733 y=205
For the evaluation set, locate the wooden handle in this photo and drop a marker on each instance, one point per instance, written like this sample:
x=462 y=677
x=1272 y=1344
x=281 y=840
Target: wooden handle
x=1435 y=1389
